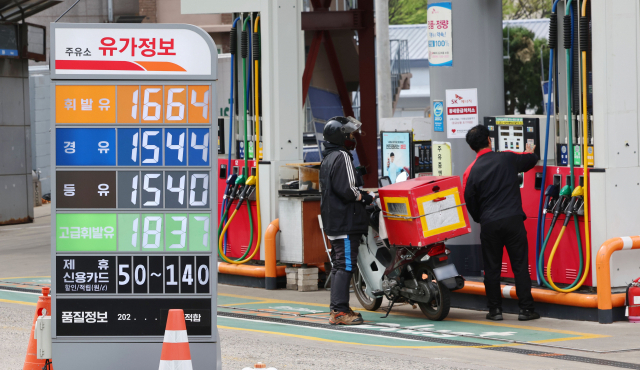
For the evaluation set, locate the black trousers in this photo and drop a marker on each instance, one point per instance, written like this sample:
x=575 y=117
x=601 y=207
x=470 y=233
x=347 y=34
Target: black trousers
x=344 y=256
x=510 y=233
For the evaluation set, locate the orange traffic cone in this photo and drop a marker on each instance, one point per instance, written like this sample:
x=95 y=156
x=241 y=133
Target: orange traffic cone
x=175 y=346
x=259 y=365
x=31 y=362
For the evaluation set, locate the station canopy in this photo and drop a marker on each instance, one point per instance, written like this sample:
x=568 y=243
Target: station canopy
x=16 y=10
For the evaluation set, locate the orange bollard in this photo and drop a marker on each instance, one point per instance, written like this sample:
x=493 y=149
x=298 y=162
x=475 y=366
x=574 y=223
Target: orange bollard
x=175 y=346
x=31 y=362
x=271 y=277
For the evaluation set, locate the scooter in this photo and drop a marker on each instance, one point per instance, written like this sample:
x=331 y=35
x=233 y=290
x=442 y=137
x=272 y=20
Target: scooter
x=418 y=275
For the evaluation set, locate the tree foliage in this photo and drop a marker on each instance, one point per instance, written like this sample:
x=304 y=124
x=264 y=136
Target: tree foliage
x=522 y=71
x=526 y=9
x=407 y=11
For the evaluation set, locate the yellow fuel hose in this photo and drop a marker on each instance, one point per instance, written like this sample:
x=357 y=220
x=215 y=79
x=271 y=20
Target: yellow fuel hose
x=553 y=252
x=585 y=166
x=585 y=147
x=256 y=157
x=256 y=53
x=221 y=239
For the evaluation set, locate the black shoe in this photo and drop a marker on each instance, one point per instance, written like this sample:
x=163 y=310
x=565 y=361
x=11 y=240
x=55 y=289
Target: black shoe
x=526 y=315
x=495 y=314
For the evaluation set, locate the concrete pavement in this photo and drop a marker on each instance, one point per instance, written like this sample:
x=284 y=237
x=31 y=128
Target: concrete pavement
x=247 y=338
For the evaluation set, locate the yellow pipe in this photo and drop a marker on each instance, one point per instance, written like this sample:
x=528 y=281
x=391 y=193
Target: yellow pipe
x=270 y=248
x=550 y=296
x=603 y=272
x=250 y=270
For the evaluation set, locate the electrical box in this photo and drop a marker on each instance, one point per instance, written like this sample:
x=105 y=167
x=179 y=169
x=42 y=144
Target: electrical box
x=301 y=239
x=513 y=133
x=42 y=334
x=440 y=202
x=422 y=162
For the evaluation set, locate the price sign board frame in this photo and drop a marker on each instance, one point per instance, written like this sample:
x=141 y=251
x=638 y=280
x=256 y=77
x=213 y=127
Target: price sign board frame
x=133 y=218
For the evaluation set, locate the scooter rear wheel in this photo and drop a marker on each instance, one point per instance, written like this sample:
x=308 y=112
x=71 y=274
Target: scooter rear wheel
x=359 y=286
x=438 y=308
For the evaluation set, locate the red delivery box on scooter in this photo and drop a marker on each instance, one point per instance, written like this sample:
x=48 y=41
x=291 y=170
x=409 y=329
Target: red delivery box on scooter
x=439 y=199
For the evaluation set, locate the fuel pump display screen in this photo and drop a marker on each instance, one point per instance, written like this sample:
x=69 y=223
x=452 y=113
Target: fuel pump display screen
x=132 y=218
x=513 y=133
x=510 y=139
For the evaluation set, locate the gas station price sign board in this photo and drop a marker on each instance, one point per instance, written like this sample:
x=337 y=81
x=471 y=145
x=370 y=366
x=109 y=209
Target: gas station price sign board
x=133 y=227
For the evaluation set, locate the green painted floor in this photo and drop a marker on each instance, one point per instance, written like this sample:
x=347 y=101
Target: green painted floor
x=395 y=323
x=406 y=322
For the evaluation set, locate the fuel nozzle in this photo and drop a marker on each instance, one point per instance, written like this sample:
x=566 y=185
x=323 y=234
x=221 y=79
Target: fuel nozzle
x=551 y=197
x=577 y=201
x=248 y=189
x=231 y=180
x=240 y=181
x=563 y=201
x=575 y=204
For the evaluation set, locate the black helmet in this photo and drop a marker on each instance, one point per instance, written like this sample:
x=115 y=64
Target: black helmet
x=338 y=131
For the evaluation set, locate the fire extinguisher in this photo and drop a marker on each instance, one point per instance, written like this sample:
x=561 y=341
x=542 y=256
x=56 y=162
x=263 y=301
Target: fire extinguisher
x=633 y=301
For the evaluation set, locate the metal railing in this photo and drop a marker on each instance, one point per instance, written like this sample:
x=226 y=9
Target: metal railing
x=399 y=55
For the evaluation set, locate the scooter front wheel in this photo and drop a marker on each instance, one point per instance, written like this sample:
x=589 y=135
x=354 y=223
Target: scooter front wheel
x=438 y=308
x=359 y=287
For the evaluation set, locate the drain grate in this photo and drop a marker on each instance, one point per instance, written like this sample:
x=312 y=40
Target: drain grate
x=498 y=347
x=559 y=356
x=350 y=329
x=22 y=283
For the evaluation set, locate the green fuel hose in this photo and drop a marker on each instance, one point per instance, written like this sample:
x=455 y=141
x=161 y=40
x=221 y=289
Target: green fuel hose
x=568 y=46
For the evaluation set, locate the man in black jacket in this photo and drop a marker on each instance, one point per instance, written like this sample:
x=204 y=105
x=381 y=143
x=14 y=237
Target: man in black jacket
x=492 y=194
x=344 y=217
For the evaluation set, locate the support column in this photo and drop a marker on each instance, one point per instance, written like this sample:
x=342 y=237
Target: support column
x=383 y=60
x=477 y=63
x=368 y=143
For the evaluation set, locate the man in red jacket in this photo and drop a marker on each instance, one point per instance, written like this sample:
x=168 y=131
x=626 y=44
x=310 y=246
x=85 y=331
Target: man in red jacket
x=492 y=194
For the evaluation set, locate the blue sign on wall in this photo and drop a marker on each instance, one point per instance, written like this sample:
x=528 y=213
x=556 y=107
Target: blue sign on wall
x=128 y=147
x=199 y=146
x=86 y=147
x=564 y=154
x=175 y=147
x=438 y=116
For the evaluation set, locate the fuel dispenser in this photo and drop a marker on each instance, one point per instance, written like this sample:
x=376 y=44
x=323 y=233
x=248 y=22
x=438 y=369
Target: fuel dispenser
x=566 y=267
x=555 y=194
x=239 y=231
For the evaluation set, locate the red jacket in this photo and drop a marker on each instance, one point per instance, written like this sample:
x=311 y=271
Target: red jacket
x=491 y=185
